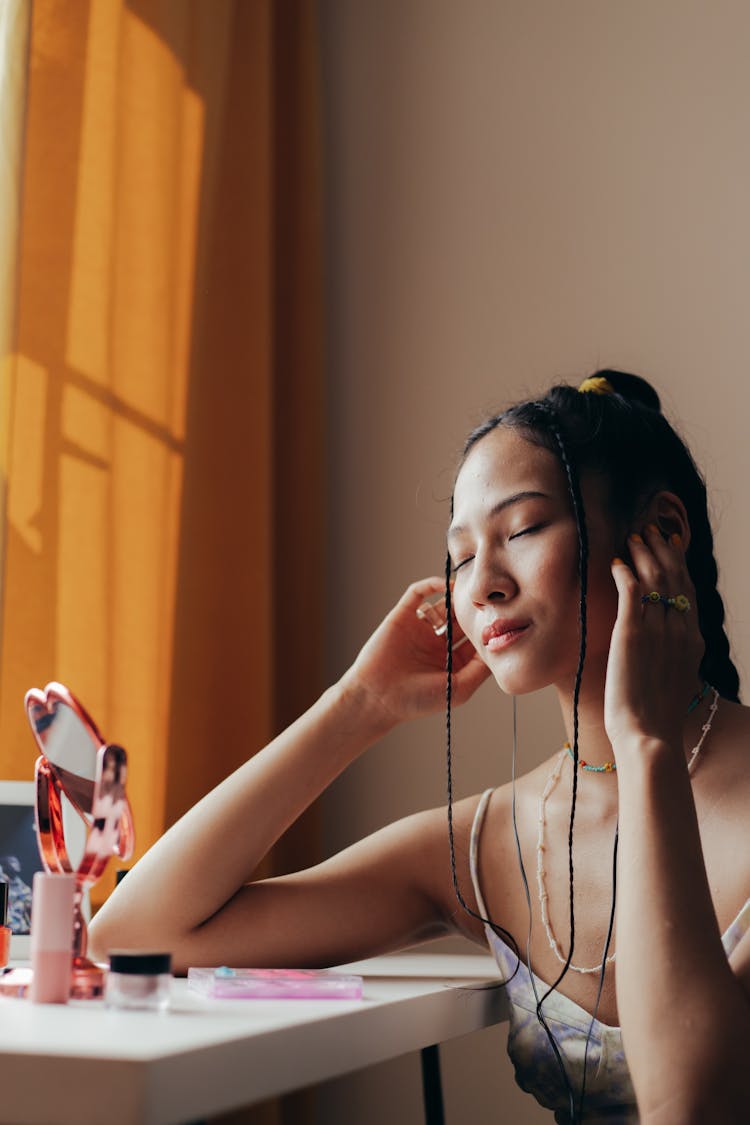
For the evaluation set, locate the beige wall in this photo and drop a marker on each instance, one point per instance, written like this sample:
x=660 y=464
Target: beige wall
x=516 y=191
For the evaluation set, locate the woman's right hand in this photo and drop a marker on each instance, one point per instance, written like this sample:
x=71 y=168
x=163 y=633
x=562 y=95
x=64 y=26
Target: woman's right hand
x=190 y=893
x=400 y=672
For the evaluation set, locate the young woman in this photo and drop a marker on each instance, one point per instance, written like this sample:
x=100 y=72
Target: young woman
x=580 y=555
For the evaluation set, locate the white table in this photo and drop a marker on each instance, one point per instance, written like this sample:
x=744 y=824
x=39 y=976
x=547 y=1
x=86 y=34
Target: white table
x=82 y=1063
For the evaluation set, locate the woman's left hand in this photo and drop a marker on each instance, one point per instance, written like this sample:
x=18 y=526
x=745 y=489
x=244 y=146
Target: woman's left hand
x=656 y=648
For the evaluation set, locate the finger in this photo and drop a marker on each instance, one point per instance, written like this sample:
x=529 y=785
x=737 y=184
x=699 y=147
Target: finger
x=658 y=568
x=669 y=556
x=684 y=583
x=425 y=588
x=628 y=590
x=648 y=568
x=668 y=585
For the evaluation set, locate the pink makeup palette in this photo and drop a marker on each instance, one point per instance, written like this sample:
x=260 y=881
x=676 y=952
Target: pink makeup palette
x=275 y=984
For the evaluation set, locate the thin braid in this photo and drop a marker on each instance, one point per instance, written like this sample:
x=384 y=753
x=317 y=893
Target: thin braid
x=717 y=667
x=504 y=934
x=574 y=488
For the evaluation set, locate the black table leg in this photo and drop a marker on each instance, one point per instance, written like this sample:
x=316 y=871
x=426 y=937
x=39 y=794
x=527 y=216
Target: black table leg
x=432 y=1088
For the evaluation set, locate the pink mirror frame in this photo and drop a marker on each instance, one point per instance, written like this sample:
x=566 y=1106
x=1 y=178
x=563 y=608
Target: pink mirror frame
x=101 y=804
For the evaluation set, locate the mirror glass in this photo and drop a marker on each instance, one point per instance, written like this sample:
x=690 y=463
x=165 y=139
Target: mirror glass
x=70 y=746
x=82 y=812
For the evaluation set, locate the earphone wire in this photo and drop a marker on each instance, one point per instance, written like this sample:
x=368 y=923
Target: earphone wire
x=525 y=881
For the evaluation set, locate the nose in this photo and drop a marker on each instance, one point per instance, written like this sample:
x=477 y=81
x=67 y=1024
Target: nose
x=490 y=580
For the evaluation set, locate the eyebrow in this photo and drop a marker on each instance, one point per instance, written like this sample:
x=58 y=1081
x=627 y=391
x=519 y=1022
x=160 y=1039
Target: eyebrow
x=516 y=498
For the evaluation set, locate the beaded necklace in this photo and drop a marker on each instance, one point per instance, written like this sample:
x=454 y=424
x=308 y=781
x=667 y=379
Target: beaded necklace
x=540 y=846
x=611 y=767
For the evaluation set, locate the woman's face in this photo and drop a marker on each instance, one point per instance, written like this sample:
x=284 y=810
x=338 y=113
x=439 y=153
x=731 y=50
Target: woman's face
x=514 y=549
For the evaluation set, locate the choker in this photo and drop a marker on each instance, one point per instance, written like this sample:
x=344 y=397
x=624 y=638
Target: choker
x=611 y=767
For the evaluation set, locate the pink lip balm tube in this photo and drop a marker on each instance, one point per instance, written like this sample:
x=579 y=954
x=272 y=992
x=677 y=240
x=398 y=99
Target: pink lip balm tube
x=52 y=938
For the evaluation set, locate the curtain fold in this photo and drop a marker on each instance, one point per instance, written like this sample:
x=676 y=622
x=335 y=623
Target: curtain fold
x=15 y=25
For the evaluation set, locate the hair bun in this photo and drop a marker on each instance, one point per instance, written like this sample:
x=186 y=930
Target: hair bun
x=631 y=387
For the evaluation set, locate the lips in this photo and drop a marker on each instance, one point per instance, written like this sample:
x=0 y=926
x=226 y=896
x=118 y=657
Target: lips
x=502 y=632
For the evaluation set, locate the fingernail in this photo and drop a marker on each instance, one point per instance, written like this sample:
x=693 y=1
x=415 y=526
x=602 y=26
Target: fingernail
x=675 y=539
x=635 y=538
x=653 y=528
x=617 y=561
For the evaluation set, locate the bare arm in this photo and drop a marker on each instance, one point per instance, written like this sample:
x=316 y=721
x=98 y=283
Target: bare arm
x=685 y=1014
x=189 y=894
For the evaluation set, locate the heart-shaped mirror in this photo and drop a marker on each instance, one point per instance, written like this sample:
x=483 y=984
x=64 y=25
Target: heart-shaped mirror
x=82 y=812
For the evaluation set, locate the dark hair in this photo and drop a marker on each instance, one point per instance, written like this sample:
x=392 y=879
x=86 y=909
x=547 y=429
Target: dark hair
x=624 y=437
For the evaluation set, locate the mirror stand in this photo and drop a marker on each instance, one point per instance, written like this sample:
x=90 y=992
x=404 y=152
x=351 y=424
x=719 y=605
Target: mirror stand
x=87 y=982
x=79 y=774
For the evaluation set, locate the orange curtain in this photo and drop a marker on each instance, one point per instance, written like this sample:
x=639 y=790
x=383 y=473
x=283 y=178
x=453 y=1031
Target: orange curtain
x=165 y=515
x=164 y=474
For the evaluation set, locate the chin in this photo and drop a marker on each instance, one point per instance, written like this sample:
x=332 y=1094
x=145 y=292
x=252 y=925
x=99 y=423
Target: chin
x=521 y=681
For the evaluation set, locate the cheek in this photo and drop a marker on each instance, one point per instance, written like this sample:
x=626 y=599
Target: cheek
x=461 y=605
x=554 y=571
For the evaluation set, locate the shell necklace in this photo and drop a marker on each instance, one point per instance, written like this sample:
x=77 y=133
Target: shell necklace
x=552 y=780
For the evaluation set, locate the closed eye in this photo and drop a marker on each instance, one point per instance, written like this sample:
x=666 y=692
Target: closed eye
x=463 y=562
x=527 y=531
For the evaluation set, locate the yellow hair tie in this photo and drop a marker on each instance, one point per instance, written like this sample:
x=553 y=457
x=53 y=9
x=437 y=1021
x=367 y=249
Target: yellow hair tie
x=596 y=385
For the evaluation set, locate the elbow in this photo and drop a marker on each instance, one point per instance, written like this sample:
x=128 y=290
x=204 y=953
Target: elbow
x=119 y=924
x=115 y=926
x=712 y=1107
x=715 y=1096
x=104 y=936
x=701 y=1078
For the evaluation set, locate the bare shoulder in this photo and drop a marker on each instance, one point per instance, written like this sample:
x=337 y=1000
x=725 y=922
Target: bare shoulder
x=494 y=864
x=721 y=789
x=725 y=762
x=433 y=849
x=436 y=845
x=732 y=727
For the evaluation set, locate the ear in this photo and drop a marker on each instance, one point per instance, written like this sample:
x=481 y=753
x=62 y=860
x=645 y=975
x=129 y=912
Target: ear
x=667 y=511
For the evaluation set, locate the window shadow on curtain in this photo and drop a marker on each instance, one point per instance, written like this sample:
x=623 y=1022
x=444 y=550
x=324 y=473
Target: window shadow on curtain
x=165 y=523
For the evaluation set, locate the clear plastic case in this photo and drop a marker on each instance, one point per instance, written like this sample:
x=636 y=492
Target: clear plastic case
x=275 y=984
